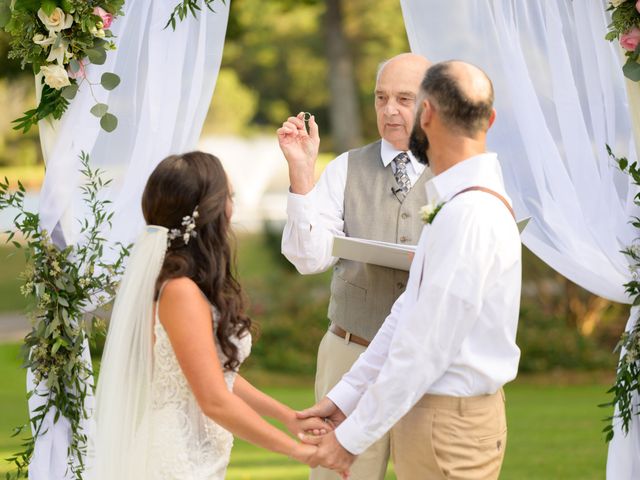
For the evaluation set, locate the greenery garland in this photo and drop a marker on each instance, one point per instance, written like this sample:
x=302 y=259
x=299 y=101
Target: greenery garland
x=64 y=284
x=625 y=27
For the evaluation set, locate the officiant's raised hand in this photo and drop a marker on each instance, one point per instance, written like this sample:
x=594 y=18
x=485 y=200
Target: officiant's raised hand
x=300 y=148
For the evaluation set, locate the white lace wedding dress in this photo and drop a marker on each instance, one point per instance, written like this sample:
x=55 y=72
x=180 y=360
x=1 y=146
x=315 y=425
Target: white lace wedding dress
x=185 y=444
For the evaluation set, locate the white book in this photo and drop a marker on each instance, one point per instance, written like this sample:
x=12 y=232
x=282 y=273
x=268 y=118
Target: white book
x=392 y=255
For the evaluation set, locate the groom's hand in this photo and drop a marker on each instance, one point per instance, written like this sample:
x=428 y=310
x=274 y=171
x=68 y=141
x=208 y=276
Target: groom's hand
x=330 y=454
x=312 y=425
x=326 y=409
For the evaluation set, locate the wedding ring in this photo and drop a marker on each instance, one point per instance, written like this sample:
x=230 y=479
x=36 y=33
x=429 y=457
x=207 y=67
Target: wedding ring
x=306 y=116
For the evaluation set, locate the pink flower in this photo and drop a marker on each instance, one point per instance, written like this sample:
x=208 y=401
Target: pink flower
x=81 y=73
x=630 y=40
x=105 y=16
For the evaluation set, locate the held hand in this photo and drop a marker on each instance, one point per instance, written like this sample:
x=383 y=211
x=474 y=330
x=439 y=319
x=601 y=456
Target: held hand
x=325 y=408
x=330 y=453
x=312 y=425
x=300 y=149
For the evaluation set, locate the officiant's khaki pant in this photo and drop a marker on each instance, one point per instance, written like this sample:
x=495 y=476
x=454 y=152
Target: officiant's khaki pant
x=335 y=358
x=451 y=438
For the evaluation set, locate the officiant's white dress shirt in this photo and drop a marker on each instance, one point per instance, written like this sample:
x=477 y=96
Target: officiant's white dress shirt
x=453 y=331
x=315 y=218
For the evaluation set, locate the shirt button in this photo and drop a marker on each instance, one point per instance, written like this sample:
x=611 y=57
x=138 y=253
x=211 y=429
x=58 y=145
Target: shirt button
x=404 y=215
x=404 y=239
x=400 y=285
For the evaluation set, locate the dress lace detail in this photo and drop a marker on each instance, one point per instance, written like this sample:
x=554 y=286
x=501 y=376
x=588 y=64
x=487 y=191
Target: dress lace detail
x=185 y=443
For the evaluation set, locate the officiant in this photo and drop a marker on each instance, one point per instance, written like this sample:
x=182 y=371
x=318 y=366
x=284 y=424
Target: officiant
x=372 y=192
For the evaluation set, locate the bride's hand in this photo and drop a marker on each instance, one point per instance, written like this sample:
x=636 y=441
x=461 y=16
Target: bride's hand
x=312 y=425
x=304 y=453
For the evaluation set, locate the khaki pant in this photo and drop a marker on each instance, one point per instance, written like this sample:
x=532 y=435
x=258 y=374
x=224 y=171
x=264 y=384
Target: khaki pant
x=451 y=438
x=335 y=358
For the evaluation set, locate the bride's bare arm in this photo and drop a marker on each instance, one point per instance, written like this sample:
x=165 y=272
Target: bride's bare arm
x=186 y=317
x=270 y=407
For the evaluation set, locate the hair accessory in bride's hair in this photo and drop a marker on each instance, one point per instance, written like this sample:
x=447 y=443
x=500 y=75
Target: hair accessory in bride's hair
x=188 y=230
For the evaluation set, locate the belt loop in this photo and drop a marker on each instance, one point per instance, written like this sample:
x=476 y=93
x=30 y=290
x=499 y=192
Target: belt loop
x=347 y=338
x=461 y=406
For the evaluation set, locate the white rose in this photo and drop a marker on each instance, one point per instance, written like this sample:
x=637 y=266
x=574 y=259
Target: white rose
x=57 y=21
x=427 y=210
x=40 y=39
x=55 y=76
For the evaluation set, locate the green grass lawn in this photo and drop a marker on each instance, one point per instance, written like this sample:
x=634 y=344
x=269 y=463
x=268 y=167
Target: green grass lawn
x=554 y=431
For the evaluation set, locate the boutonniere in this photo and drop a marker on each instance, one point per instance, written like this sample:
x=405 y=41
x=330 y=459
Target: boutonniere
x=429 y=211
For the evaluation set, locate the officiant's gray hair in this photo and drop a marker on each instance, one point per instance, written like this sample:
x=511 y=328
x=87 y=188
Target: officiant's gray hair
x=462 y=94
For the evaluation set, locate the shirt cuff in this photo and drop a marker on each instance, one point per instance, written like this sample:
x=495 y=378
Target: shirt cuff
x=298 y=206
x=351 y=437
x=345 y=397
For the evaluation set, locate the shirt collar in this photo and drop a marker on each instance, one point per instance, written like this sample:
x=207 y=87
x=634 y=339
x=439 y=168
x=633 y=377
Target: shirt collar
x=388 y=152
x=480 y=170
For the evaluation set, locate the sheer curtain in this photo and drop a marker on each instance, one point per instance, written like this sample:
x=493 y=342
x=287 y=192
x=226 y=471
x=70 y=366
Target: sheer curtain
x=167 y=82
x=560 y=98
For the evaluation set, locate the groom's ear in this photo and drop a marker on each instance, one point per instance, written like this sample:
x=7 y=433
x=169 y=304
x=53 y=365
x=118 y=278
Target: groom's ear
x=426 y=114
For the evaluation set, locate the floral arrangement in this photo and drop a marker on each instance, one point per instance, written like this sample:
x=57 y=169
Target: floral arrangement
x=625 y=27
x=59 y=38
x=64 y=284
x=429 y=211
x=626 y=388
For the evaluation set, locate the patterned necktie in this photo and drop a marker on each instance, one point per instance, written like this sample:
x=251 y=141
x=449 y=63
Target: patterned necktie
x=404 y=184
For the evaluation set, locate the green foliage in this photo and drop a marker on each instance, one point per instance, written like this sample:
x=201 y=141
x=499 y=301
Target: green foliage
x=186 y=7
x=627 y=384
x=232 y=107
x=63 y=284
x=278 y=51
x=548 y=343
x=53 y=103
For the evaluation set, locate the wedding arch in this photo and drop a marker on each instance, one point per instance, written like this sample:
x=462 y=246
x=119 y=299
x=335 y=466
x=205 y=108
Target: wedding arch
x=561 y=98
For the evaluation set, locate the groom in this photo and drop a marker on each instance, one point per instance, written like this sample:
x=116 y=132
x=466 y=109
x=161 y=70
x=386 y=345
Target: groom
x=437 y=366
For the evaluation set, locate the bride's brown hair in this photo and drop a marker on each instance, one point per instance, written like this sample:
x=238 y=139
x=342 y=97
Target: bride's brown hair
x=174 y=189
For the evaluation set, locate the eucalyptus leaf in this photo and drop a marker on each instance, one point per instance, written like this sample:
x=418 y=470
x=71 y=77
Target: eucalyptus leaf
x=631 y=70
x=97 y=56
x=110 y=80
x=109 y=122
x=100 y=109
x=70 y=91
x=74 y=65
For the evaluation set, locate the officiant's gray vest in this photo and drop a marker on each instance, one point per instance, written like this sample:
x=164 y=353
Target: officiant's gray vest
x=362 y=294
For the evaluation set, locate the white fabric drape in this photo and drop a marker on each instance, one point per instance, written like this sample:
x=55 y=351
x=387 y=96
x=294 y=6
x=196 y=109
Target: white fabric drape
x=560 y=98
x=167 y=82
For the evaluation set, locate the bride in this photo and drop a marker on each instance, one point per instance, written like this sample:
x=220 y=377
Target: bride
x=169 y=396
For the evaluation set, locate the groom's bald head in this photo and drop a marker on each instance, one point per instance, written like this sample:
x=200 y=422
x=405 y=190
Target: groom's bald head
x=462 y=94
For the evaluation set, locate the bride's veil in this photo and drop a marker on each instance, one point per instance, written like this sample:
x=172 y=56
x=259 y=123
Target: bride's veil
x=124 y=385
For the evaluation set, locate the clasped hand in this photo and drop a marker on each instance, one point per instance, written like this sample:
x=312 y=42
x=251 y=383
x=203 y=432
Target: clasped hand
x=329 y=453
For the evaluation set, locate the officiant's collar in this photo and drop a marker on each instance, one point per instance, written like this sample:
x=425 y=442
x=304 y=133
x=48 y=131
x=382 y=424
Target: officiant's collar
x=388 y=152
x=481 y=170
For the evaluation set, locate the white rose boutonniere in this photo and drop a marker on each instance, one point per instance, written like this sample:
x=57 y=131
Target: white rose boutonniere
x=429 y=211
x=57 y=21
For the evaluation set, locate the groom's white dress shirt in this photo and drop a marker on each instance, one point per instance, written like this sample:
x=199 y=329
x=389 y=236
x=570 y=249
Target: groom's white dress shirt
x=315 y=218
x=453 y=330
